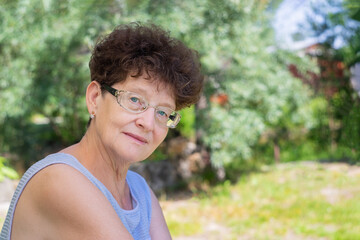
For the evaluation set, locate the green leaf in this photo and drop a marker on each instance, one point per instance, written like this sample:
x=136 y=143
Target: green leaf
x=9 y=172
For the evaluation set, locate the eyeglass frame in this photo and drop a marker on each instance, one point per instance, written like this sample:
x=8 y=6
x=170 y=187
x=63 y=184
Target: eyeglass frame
x=116 y=93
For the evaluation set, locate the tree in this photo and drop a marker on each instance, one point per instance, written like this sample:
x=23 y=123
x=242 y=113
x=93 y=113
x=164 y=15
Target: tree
x=51 y=48
x=45 y=47
x=338 y=33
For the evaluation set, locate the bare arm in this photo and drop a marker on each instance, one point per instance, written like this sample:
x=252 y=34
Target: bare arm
x=63 y=204
x=158 y=227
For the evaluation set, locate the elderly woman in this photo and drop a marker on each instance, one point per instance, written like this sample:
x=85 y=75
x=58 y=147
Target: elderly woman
x=140 y=78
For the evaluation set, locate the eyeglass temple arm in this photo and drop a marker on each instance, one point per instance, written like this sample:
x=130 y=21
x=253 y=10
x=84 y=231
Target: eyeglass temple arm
x=109 y=89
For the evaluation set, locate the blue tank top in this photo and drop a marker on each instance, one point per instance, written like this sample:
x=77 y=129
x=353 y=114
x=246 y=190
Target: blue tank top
x=136 y=221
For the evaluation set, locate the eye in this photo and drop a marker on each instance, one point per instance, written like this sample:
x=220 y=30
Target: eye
x=135 y=102
x=162 y=113
x=134 y=99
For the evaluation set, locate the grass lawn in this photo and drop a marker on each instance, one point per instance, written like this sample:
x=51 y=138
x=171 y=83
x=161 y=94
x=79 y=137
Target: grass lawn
x=289 y=201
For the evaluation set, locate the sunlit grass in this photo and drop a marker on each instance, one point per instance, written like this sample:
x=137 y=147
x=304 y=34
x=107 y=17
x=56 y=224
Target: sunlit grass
x=292 y=201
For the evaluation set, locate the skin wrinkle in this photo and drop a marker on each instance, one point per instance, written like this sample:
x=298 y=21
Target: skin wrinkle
x=119 y=167
x=120 y=170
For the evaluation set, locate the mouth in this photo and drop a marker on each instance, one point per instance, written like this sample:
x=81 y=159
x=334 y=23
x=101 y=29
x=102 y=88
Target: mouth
x=137 y=138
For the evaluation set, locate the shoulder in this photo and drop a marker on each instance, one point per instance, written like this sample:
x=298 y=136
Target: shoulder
x=62 y=199
x=158 y=226
x=55 y=183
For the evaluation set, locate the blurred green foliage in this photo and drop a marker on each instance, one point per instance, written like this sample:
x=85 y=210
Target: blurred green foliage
x=6 y=171
x=264 y=100
x=334 y=22
x=45 y=47
x=187 y=124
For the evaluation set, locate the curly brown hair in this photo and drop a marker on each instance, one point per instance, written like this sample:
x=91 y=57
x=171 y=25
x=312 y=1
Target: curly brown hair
x=138 y=49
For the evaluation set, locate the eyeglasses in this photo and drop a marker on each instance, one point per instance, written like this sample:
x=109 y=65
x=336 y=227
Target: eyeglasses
x=135 y=103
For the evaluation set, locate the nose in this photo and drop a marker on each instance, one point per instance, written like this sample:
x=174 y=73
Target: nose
x=146 y=119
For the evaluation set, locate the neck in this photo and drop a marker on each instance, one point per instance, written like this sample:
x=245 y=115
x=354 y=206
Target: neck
x=108 y=169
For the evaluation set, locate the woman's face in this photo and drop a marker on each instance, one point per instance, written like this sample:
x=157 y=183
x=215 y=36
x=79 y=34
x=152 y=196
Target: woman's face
x=131 y=136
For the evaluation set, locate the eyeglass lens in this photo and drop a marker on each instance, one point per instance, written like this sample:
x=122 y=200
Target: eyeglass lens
x=136 y=103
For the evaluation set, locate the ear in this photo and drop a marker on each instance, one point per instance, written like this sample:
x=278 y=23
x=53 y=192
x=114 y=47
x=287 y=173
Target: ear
x=93 y=92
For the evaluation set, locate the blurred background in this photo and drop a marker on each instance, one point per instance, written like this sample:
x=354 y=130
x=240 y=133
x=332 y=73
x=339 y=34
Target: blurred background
x=271 y=151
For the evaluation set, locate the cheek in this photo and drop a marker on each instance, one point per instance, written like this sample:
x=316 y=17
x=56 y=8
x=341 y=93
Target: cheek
x=161 y=135
x=110 y=125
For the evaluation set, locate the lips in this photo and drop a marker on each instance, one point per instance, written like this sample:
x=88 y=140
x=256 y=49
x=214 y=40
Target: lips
x=136 y=137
